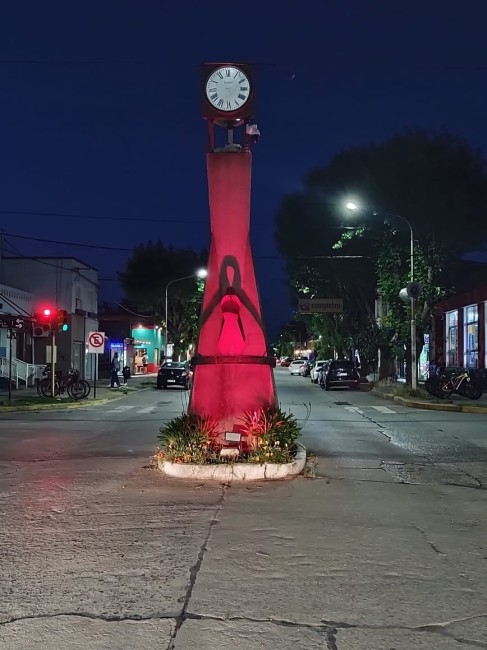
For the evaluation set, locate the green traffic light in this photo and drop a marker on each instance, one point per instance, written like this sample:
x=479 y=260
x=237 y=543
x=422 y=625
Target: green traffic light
x=65 y=327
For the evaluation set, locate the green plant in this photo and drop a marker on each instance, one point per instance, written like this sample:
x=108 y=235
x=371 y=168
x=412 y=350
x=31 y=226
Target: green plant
x=186 y=438
x=273 y=433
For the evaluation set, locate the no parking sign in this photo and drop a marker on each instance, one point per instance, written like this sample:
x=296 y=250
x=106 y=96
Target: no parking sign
x=96 y=342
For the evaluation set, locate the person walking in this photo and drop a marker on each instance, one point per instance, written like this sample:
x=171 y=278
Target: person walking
x=114 y=368
x=145 y=361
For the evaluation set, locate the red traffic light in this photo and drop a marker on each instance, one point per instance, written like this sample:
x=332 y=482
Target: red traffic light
x=46 y=312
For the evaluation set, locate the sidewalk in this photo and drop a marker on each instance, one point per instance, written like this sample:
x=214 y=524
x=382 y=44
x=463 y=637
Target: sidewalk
x=28 y=399
x=457 y=403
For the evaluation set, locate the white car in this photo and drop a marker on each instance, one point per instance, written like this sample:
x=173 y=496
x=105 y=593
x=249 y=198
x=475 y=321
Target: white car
x=295 y=367
x=315 y=371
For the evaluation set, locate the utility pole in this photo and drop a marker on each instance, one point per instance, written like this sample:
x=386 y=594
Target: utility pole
x=53 y=361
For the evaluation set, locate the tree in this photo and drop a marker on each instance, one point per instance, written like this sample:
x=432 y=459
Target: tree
x=436 y=181
x=144 y=280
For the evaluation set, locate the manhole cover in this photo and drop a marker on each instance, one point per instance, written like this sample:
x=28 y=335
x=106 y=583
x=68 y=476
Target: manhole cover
x=342 y=403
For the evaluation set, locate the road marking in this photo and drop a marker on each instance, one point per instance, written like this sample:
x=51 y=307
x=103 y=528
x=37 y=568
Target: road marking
x=383 y=409
x=147 y=409
x=120 y=409
x=354 y=409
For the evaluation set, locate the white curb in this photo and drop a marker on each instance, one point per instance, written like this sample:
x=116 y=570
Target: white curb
x=236 y=471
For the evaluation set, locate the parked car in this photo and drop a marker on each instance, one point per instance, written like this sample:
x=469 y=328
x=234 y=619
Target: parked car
x=315 y=370
x=286 y=362
x=341 y=373
x=306 y=368
x=295 y=366
x=174 y=373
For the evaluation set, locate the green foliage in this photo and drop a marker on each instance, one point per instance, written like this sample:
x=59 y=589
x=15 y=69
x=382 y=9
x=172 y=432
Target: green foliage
x=436 y=181
x=275 y=433
x=186 y=438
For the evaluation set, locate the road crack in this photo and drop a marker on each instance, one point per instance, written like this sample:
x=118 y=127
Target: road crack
x=429 y=542
x=328 y=630
x=195 y=569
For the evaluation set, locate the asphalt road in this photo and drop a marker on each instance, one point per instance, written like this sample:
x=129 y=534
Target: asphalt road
x=413 y=444
x=410 y=443
x=384 y=549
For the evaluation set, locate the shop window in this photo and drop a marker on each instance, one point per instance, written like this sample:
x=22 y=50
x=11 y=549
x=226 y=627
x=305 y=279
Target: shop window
x=451 y=338
x=471 y=336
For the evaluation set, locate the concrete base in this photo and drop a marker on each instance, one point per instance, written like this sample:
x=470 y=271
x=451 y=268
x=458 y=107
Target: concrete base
x=236 y=471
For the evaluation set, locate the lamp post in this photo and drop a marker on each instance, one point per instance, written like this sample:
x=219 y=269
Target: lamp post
x=201 y=273
x=352 y=206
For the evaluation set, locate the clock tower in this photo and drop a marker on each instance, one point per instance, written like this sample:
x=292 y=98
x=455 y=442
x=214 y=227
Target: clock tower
x=233 y=370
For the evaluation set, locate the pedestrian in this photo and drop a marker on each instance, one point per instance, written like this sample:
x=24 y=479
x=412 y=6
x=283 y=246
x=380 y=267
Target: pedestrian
x=126 y=375
x=115 y=368
x=145 y=361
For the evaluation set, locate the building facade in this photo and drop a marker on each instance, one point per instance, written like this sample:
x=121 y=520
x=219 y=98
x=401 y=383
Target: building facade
x=461 y=329
x=58 y=283
x=132 y=337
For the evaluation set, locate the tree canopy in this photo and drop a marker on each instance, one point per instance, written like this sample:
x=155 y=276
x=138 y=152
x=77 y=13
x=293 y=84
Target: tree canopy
x=436 y=181
x=144 y=281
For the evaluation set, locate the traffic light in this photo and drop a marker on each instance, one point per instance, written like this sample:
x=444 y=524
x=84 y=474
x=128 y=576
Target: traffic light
x=46 y=312
x=62 y=320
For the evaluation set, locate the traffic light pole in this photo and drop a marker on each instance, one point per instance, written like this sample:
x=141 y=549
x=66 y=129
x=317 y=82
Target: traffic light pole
x=53 y=363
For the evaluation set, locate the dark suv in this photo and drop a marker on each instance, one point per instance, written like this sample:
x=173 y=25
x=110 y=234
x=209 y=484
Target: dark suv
x=174 y=373
x=341 y=373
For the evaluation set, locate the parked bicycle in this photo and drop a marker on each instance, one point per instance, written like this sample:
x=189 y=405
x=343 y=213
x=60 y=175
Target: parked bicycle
x=70 y=383
x=462 y=381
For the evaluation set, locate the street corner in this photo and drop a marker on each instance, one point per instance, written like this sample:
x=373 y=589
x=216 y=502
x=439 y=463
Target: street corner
x=430 y=406
x=105 y=397
x=382 y=394
x=51 y=407
x=474 y=408
x=480 y=409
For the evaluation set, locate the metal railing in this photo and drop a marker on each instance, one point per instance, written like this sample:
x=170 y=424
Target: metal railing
x=23 y=373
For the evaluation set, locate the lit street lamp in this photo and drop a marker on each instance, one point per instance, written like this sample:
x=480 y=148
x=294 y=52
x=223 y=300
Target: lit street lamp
x=352 y=206
x=201 y=273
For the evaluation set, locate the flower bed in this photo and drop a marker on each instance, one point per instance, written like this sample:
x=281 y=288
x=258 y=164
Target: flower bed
x=267 y=441
x=235 y=471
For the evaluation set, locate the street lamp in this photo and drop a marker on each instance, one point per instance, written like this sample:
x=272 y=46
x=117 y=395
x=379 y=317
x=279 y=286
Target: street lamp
x=201 y=273
x=352 y=206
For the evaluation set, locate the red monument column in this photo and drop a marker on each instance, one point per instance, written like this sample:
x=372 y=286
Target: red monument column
x=233 y=371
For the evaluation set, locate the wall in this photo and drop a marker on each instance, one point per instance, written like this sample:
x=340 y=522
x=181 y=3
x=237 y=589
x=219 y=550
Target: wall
x=60 y=283
x=150 y=339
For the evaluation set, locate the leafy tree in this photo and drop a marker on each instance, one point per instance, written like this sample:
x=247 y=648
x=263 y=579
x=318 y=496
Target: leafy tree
x=435 y=180
x=144 y=281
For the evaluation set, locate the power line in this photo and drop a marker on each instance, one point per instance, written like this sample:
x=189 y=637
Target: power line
x=66 y=243
x=68 y=215
x=15 y=250
x=131 y=250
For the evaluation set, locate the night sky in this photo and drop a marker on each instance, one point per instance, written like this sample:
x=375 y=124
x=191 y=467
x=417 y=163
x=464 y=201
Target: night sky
x=100 y=115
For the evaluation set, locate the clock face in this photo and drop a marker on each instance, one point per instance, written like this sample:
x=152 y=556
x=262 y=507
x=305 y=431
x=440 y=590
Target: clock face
x=228 y=88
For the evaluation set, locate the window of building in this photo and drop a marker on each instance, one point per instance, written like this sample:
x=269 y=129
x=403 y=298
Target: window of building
x=451 y=318
x=91 y=300
x=471 y=337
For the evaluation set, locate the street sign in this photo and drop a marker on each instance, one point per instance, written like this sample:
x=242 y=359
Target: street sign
x=12 y=322
x=320 y=305
x=96 y=342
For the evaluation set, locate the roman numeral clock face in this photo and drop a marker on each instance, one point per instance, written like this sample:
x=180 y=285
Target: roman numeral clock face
x=228 y=89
